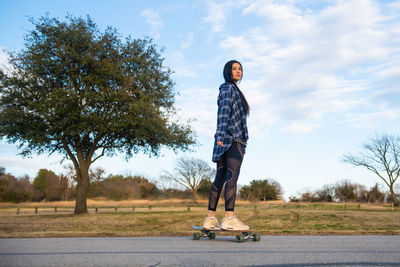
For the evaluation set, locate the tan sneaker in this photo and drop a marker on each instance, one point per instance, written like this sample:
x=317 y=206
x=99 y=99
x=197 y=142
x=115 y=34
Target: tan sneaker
x=233 y=223
x=211 y=224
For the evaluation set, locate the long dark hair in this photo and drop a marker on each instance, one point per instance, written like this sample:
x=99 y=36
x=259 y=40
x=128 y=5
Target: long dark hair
x=229 y=79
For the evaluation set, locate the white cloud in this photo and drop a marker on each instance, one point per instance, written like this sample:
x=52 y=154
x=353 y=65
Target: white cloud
x=177 y=60
x=372 y=119
x=218 y=13
x=21 y=166
x=390 y=71
x=200 y=104
x=180 y=67
x=301 y=127
x=284 y=19
x=216 y=16
x=312 y=64
x=394 y=5
x=187 y=41
x=4 y=61
x=154 y=20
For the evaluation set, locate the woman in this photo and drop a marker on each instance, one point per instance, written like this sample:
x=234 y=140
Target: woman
x=229 y=148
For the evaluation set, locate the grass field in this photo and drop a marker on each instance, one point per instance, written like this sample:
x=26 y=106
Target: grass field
x=175 y=217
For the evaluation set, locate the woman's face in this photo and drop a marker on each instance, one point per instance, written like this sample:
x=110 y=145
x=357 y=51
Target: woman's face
x=236 y=72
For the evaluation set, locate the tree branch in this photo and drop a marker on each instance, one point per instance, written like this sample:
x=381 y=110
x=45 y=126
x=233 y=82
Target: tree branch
x=102 y=154
x=94 y=147
x=70 y=154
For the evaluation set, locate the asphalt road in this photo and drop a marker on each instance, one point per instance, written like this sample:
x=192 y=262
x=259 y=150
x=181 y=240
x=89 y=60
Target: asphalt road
x=166 y=251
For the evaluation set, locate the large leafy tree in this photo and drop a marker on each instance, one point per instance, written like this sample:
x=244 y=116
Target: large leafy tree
x=261 y=190
x=48 y=184
x=86 y=93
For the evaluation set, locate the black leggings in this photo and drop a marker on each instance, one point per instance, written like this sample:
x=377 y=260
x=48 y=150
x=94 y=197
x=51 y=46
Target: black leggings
x=228 y=169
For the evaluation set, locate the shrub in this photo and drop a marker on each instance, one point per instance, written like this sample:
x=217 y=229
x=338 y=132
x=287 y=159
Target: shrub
x=15 y=190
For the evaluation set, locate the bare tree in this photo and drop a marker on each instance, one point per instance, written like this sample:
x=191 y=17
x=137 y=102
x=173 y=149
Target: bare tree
x=381 y=155
x=190 y=173
x=164 y=183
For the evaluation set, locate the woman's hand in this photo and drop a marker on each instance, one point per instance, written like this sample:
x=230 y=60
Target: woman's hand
x=220 y=143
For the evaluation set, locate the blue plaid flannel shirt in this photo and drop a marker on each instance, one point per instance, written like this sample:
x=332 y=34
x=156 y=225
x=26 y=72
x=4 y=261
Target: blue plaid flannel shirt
x=231 y=122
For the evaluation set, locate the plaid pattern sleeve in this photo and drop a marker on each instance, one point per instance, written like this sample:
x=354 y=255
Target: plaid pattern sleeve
x=231 y=120
x=224 y=109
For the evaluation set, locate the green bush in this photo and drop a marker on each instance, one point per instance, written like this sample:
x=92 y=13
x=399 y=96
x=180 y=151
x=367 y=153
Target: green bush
x=15 y=190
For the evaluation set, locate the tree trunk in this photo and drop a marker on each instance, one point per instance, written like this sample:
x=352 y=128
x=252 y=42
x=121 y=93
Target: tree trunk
x=194 y=196
x=66 y=189
x=394 y=197
x=82 y=189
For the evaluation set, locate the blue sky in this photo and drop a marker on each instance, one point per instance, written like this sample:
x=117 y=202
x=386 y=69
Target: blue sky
x=321 y=78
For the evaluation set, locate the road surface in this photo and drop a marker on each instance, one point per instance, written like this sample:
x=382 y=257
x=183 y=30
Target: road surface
x=183 y=251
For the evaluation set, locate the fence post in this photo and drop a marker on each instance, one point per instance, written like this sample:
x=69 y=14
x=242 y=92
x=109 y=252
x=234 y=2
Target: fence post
x=133 y=208
x=188 y=208
x=359 y=206
x=115 y=209
x=18 y=211
x=149 y=207
x=345 y=207
x=36 y=210
x=97 y=210
x=55 y=209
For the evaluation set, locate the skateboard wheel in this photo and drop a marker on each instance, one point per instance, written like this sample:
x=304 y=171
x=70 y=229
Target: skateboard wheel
x=256 y=237
x=196 y=236
x=211 y=235
x=239 y=238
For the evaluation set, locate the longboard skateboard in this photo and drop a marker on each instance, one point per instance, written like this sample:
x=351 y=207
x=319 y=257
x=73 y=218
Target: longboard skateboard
x=210 y=233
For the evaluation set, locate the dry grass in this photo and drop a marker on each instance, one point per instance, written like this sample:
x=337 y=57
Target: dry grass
x=92 y=203
x=172 y=217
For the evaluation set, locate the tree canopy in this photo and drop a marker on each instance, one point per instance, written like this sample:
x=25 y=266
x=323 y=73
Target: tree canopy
x=85 y=93
x=266 y=189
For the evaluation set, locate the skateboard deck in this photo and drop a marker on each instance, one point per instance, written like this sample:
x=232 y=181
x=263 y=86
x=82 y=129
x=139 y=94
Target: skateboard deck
x=210 y=233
